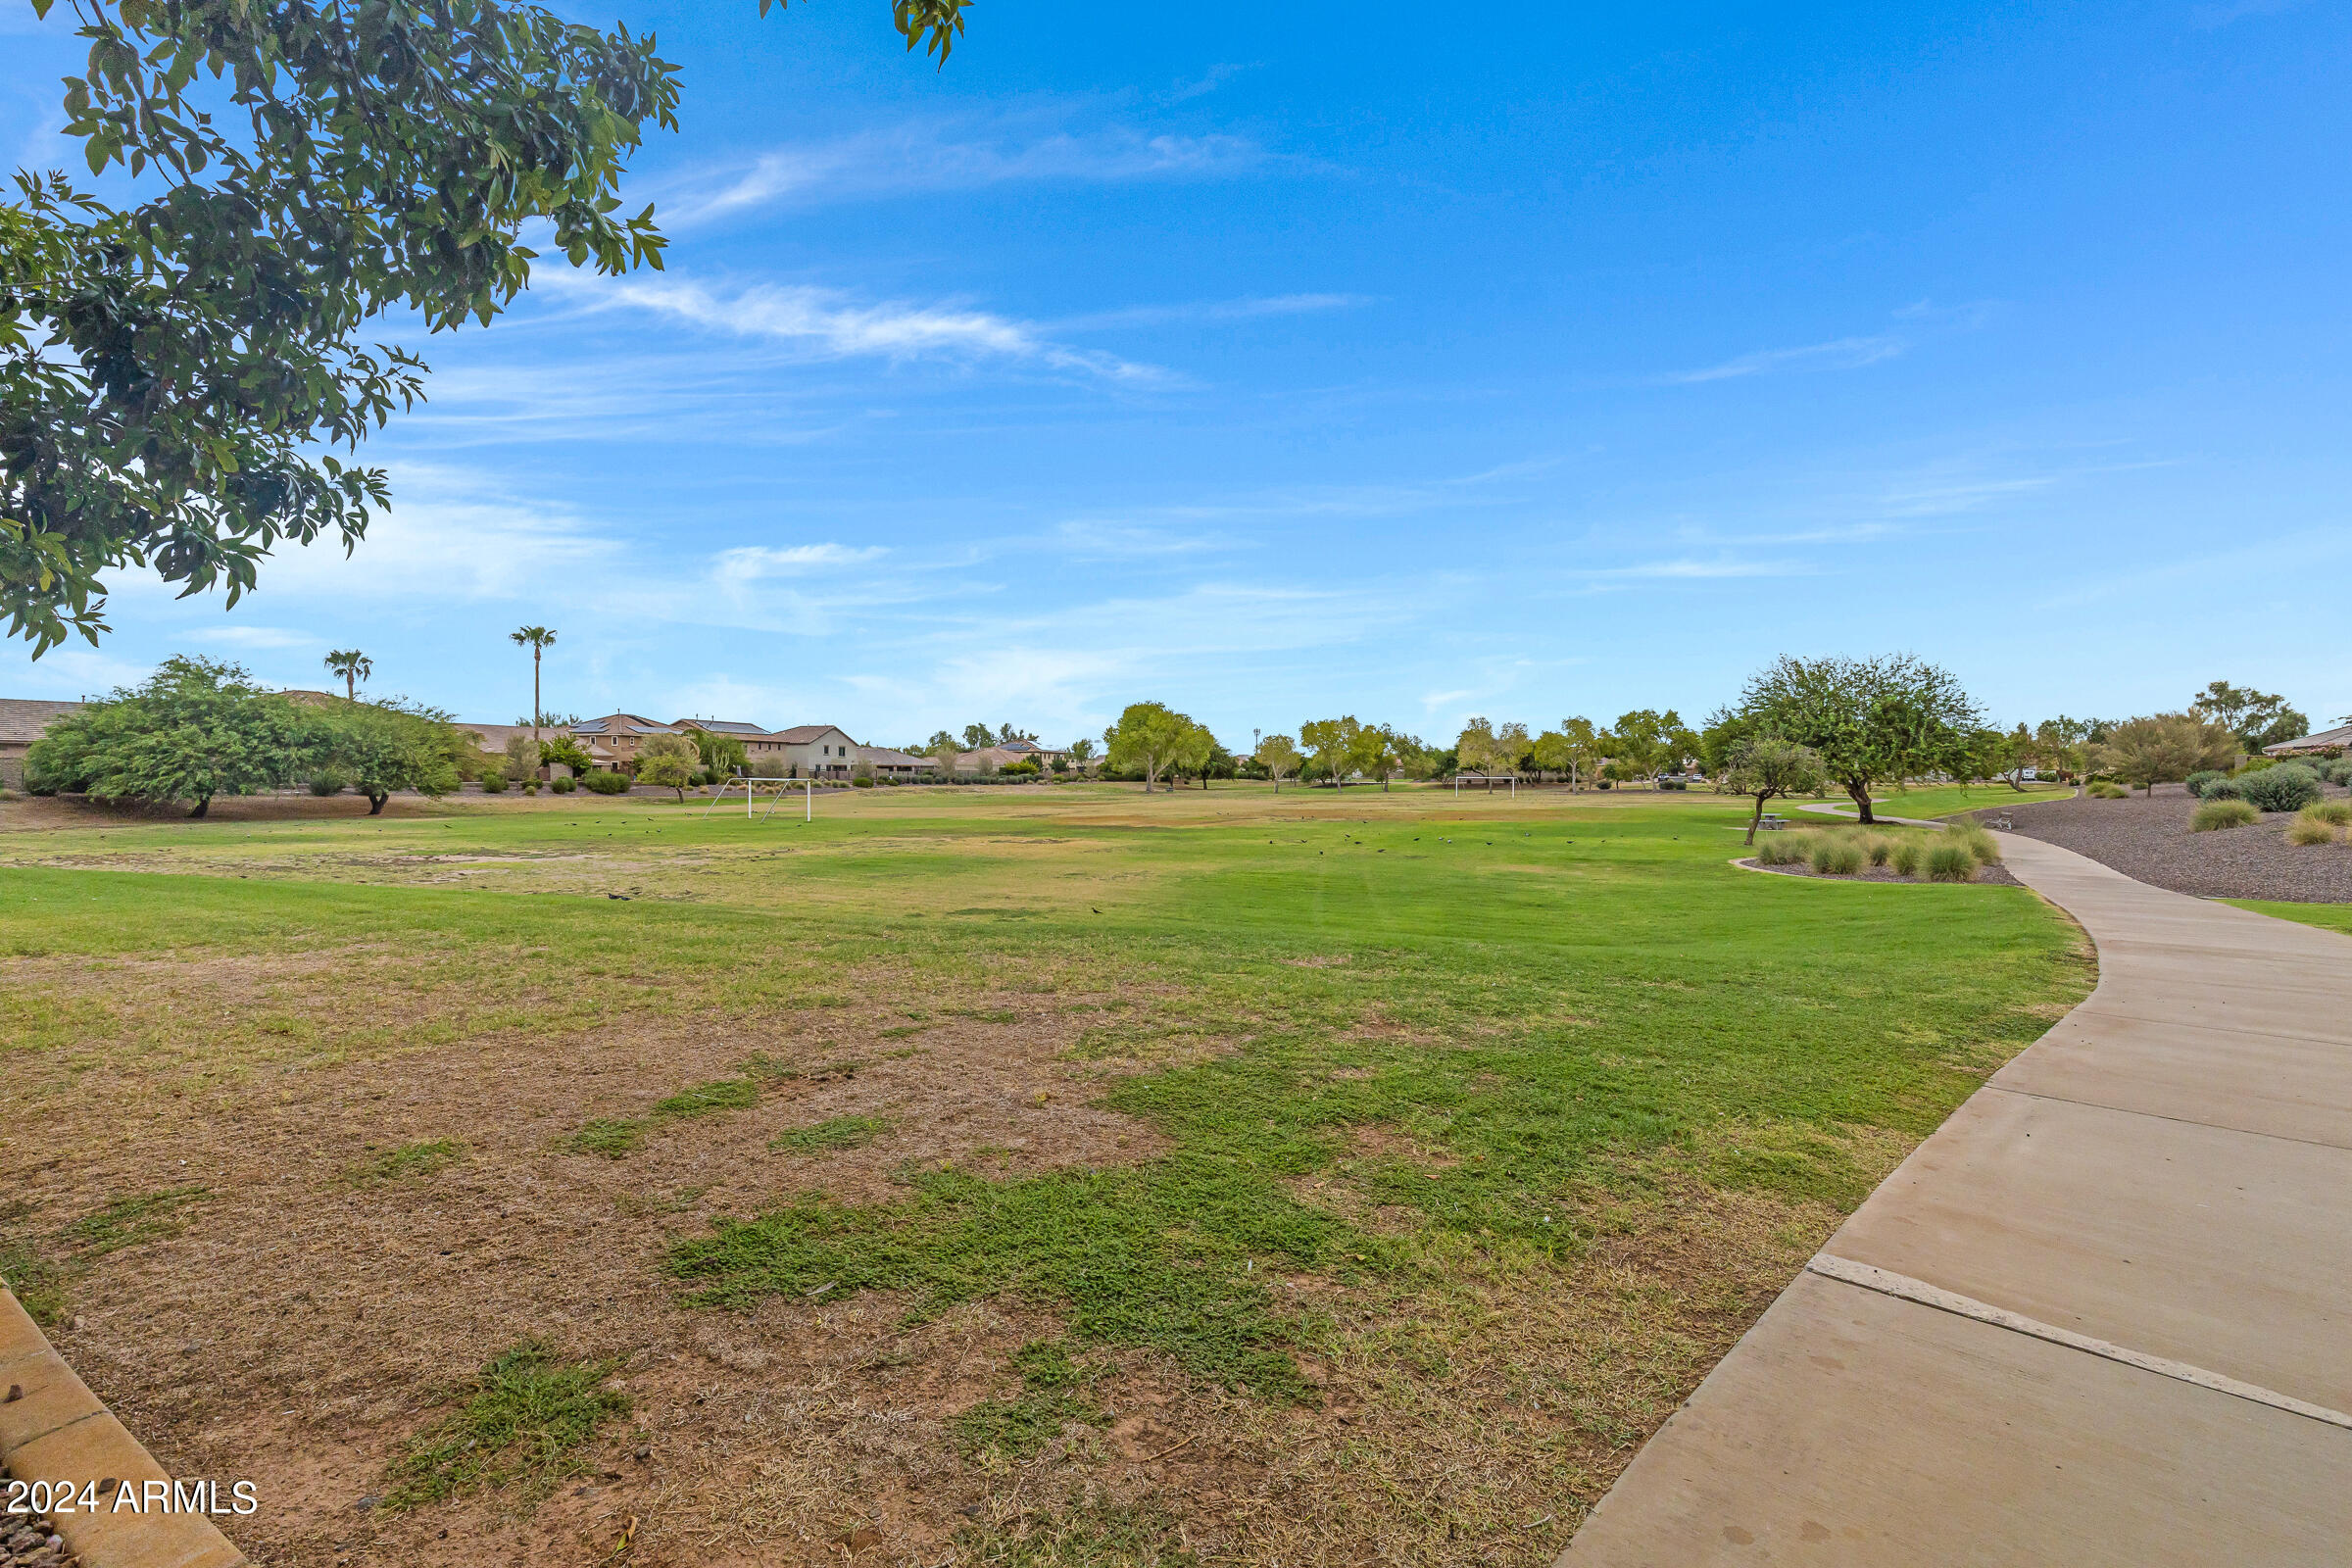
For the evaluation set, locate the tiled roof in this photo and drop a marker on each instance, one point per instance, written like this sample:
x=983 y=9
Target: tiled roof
x=2313 y=742
x=885 y=756
x=22 y=718
x=634 y=724
x=803 y=734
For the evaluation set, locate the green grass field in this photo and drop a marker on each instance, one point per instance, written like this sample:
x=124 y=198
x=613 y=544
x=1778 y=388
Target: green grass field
x=1945 y=800
x=1485 y=1124
x=2327 y=916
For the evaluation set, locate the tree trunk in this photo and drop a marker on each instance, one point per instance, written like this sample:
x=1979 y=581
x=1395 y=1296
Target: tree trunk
x=376 y=804
x=1754 y=820
x=204 y=803
x=536 y=708
x=1861 y=795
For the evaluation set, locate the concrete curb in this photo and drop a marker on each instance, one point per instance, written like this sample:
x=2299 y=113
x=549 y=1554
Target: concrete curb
x=54 y=1429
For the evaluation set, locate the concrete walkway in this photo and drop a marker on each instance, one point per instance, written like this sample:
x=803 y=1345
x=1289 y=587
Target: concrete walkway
x=2102 y=1316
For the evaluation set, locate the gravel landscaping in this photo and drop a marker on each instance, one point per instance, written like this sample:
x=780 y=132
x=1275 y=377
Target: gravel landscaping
x=2147 y=837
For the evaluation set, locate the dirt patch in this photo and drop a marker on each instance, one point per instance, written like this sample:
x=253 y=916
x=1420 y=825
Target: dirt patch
x=2146 y=837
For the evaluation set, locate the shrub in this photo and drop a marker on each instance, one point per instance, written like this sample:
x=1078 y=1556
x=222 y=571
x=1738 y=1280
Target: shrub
x=1982 y=847
x=329 y=781
x=564 y=786
x=2338 y=772
x=604 y=781
x=2222 y=789
x=2214 y=815
x=1950 y=862
x=2310 y=828
x=531 y=788
x=2289 y=787
x=2337 y=814
x=1837 y=857
x=2196 y=782
x=2105 y=790
x=494 y=782
x=865 y=783
x=1909 y=855
x=1880 y=851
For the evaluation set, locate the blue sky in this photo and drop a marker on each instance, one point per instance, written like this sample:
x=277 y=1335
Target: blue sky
x=1416 y=367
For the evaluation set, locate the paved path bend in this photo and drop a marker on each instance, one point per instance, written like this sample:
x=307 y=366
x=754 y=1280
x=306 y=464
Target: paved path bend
x=2102 y=1316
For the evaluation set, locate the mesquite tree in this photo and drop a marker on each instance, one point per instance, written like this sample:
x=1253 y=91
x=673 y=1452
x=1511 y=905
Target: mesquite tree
x=175 y=370
x=1870 y=720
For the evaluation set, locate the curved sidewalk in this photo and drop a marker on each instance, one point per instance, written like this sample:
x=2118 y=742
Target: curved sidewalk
x=2102 y=1316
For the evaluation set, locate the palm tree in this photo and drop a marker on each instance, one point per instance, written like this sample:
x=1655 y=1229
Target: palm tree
x=537 y=639
x=354 y=667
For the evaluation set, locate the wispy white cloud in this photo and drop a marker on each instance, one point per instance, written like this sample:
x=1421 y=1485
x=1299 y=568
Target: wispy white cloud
x=754 y=562
x=1840 y=354
x=1241 y=309
x=826 y=323
x=1208 y=81
x=1690 y=568
x=242 y=636
x=932 y=155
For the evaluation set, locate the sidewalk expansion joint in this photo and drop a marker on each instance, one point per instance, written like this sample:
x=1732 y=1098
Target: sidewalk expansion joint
x=2158 y=1115
x=1904 y=1288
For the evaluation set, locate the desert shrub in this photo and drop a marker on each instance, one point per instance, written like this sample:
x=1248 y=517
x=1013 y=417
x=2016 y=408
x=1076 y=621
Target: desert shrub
x=2257 y=763
x=2195 y=782
x=329 y=781
x=2309 y=828
x=1909 y=855
x=2214 y=815
x=564 y=786
x=2222 y=789
x=1785 y=849
x=2289 y=787
x=604 y=781
x=2107 y=790
x=2338 y=771
x=2335 y=814
x=863 y=782
x=1837 y=857
x=1981 y=846
x=1950 y=862
x=1880 y=851
x=531 y=788
x=494 y=781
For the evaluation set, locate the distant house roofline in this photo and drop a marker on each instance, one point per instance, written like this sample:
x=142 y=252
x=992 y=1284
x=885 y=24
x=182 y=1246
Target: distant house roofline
x=2324 y=740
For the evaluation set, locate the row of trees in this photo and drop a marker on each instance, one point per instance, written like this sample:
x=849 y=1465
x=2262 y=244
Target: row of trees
x=195 y=730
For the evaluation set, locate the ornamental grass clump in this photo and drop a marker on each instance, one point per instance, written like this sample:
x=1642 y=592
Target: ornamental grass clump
x=1981 y=846
x=2316 y=824
x=1950 y=862
x=1909 y=855
x=1786 y=849
x=2214 y=815
x=2105 y=791
x=1837 y=857
x=1880 y=851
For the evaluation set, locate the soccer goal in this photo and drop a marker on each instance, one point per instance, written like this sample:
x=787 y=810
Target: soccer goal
x=781 y=791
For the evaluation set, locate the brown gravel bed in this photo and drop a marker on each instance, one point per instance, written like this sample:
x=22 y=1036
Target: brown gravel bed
x=2147 y=838
x=29 y=1543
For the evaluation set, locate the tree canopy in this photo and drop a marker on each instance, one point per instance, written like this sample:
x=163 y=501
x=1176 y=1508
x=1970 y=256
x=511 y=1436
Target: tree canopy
x=1150 y=739
x=1870 y=720
x=2165 y=749
x=170 y=369
x=192 y=730
x=2257 y=719
x=1765 y=767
